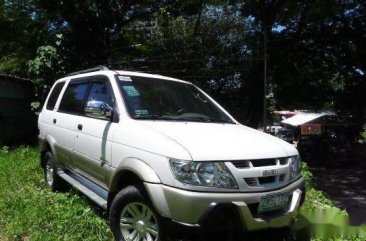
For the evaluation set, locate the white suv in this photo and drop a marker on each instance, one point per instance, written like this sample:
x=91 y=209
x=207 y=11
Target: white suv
x=158 y=152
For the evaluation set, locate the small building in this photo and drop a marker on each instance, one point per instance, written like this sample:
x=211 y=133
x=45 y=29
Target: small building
x=17 y=122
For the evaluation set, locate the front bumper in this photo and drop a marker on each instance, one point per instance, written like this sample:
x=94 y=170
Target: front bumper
x=237 y=210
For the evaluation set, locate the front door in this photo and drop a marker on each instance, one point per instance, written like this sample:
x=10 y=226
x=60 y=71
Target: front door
x=92 y=151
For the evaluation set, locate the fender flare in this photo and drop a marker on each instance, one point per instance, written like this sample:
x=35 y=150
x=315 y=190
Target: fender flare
x=47 y=141
x=138 y=167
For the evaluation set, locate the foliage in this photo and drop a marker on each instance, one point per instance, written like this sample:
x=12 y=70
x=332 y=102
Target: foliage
x=28 y=211
x=44 y=61
x=211 y=50
x=44 y=67
x=315 y=50
x=93 y=30
x=11 y=64
x=22 y=31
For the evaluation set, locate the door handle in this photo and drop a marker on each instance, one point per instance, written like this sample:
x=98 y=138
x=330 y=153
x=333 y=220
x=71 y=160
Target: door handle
x=80 y=127
x=54 y=121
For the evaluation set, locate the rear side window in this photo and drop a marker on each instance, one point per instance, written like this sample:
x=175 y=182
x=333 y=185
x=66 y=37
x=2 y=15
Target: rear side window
x=54 y=95
x=74 y=97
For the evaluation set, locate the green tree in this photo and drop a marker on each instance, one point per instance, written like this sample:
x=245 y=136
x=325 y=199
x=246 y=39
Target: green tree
x=315 y=52
x=22 y=31
x=96 y=31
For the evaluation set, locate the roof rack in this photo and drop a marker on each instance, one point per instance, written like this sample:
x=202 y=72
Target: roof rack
x=98 y=68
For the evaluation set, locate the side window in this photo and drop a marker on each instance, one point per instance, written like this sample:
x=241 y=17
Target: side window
x=100 y=99
x=54 y=95
x=73 y=99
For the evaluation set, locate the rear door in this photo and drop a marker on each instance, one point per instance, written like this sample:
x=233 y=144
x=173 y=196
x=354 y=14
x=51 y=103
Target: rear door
x=69 y=110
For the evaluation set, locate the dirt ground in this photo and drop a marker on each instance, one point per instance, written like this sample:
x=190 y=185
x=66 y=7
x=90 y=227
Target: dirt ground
x=346 y=186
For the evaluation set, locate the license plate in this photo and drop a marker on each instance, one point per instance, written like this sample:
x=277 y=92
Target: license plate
x=273 y=202
x=267 y=173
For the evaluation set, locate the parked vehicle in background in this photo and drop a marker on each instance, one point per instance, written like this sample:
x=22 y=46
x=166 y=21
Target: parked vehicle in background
x=286 y=135
x=157 y=152
x=272 y=129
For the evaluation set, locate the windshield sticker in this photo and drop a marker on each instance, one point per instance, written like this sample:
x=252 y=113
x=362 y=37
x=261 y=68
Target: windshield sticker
x=131 y=90
x=141 y=112
x=124 y=78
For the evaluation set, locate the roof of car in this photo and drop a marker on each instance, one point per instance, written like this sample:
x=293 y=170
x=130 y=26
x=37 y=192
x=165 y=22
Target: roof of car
x=95 y=71
x=156 y=76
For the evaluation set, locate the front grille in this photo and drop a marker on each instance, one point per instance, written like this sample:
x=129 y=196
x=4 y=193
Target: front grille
x=250 y=181
x=241 y=164
x=283 y=161
x=266 y=180
x=263 y=162
x=259 y=179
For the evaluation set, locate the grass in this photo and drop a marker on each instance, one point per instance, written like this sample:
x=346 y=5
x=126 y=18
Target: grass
x=29 y=211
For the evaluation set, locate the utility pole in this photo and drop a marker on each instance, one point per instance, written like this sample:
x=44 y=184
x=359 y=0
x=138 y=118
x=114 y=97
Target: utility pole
x=265 y=78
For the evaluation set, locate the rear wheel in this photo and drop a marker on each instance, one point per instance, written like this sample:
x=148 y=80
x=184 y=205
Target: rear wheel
x=132 y=216
x=53 y=181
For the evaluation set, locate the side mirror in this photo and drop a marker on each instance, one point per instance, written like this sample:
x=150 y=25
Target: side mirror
x=109 y=114
x=112 y=115
x=100 y=110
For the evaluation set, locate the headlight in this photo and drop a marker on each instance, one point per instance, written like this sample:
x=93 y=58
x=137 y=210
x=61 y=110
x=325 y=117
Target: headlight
x=210 y=174
x=294 y=167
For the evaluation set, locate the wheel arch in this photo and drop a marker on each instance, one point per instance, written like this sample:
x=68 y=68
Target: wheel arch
x=46 y=144
x=131 y=171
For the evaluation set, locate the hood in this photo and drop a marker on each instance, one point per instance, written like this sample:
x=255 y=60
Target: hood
x=211 y=141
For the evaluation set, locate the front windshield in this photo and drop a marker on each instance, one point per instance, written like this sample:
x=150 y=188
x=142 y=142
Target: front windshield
x=159 y=99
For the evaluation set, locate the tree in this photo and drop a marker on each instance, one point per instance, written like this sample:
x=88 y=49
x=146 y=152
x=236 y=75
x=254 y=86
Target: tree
x=315 y=52
x=95 y=31
x=21 y=33
x=315 y=49
x=208 y=47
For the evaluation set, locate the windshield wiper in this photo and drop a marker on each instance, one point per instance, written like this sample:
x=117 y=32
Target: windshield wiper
x=152 y=117
x=204 y=119
x=193 y=118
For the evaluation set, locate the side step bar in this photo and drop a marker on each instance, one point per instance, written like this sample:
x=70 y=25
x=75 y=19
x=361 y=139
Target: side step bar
x=78 y=184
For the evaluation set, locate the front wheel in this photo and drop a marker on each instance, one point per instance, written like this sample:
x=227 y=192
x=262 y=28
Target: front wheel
x=132 y=216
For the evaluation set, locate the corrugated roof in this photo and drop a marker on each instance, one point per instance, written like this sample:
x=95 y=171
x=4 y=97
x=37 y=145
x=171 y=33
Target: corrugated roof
x=302 y=118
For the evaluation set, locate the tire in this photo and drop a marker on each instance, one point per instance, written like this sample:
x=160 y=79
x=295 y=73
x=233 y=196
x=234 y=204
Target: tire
x=132 y=207
x=52 y=180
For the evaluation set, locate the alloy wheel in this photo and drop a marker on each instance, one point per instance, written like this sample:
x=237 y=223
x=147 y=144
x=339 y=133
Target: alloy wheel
x=138 y=223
